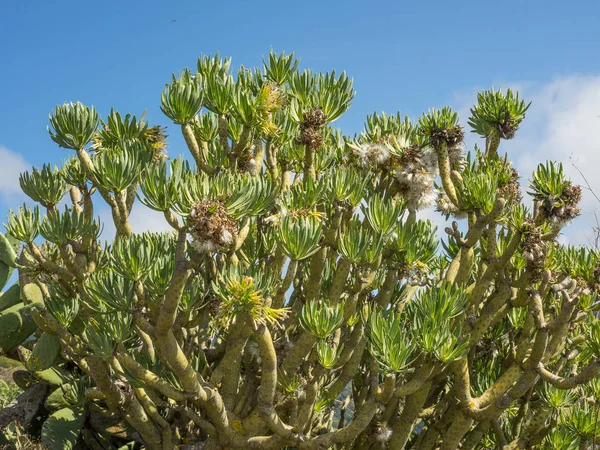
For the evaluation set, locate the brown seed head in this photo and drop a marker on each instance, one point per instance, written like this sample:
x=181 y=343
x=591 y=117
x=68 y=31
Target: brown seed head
x=211 y=226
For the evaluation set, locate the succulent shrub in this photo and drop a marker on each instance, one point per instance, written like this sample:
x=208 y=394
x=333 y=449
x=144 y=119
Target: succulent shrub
x=299 y=299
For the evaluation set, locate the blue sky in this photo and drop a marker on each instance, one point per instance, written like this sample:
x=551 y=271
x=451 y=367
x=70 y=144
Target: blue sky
x=403 y=56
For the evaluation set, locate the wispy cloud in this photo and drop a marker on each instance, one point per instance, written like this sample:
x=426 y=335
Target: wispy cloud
x=12 y=164
x=562 y=124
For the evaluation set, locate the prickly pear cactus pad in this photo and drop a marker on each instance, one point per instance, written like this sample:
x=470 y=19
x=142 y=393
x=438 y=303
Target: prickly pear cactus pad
x=299 y=300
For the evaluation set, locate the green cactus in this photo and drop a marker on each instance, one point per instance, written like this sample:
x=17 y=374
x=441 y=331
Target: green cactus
x=56 y=400
x=61 y=430
x=5 y=273
x=10 y=297
x=52 y=376
x=45 y=352
x=7 y=252
x=32 y=294
x=16 y=325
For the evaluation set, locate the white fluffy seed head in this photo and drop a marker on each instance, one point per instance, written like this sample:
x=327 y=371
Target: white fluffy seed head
x=426 y=200
x=528 y=256
x=204 y=246
x=372 y=154
x=445 y=206
x=226 y=237
x=383 y=434
x=251 y=166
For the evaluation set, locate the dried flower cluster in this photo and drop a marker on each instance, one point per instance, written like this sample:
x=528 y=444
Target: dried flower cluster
x=451 y=137
x=415 y=173
x=311 y=128
x=508 y=128
x=511 y=190
x=563 y=210
x=534 y=251
x=373 y=156
x=210 y=226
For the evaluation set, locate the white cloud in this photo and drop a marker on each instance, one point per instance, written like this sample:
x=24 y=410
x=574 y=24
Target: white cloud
x=562 y=124
x=10 y=168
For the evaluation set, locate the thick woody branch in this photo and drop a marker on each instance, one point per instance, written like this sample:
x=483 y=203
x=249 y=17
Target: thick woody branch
x=590 y=372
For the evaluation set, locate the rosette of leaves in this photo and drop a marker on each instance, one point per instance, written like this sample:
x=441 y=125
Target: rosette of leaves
x=328 y=355
x=305 y=197
x=347 y=186
x=383 y=216
x=389 y=343
x=434 y=312
x=383 y=126
x=173 y=185
x=132 y=257
x=182 y=98
x=105 y=331
x=46 y=186
x=74 y=174
x=160 y=186
x=558 y=398
x=120 y=130
x=331 y=94
x=73 y=125
x=219 y=91
x=117 y=169
x=580 y=421
x=481 y=183
x=440 y=126
x=206 y=128
x=251 y=197
x=414 y=245
x=62 y=305
x=299 y=238
x=24 y=224
x=289 y=383
x=558 y=197
x=559 y=438
x=252 y=80
x=355 y=241
x=575 y=262
x=213 y=65
x=161 y=272
x=321 y=319
x=499 y=111
x=69 y=394
x=106 y=291
x=68 y=226
x=280 y=67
